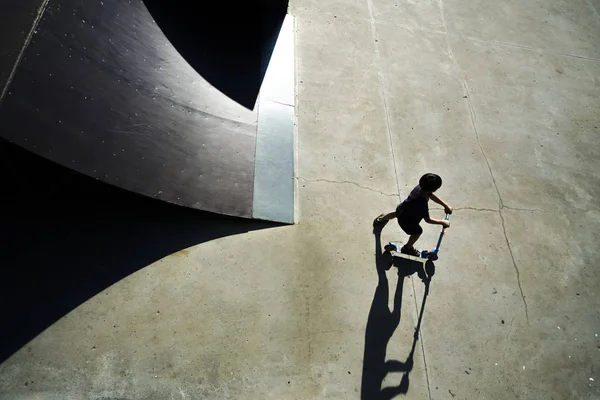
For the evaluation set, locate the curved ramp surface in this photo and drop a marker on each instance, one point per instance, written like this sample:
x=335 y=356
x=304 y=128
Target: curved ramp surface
x=101 y=90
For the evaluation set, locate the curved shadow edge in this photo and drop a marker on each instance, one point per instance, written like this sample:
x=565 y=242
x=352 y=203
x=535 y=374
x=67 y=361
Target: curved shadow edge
x=67 y=237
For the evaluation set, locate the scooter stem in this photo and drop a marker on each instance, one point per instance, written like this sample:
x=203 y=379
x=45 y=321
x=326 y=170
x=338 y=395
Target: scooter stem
x=439 y=243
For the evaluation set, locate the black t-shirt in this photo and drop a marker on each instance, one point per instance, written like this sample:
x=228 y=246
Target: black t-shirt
x=414 y=208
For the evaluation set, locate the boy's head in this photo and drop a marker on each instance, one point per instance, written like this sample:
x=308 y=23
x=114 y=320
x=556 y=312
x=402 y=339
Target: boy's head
x=430 y=182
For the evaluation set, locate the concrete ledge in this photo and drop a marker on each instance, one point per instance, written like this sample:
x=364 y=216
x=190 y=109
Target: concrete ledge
x=274 y=163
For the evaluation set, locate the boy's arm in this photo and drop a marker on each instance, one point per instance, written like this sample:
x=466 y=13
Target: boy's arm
x=442 y=203
x=436 y=221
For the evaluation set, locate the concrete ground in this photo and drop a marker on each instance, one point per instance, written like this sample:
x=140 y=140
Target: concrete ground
x=501 y=99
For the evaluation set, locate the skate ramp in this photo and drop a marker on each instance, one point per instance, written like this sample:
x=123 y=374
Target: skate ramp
x=106 y=90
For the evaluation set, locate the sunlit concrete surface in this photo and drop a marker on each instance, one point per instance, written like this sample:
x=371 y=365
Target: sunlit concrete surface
x=502 y=99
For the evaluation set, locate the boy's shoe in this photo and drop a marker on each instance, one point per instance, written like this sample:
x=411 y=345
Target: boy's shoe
x=410 y=251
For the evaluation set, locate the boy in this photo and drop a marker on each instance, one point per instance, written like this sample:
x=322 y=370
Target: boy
x=415 y=208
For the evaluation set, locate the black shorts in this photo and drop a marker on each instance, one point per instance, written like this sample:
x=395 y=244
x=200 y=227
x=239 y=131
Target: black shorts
x=410 y=228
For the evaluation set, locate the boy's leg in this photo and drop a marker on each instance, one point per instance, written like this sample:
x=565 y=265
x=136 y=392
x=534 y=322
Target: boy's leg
x=414 y=232
x=412 y=240
x=385 y=217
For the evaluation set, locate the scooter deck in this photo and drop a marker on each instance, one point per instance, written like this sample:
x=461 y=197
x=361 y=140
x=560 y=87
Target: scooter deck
x=391 y=246
x=424 y=254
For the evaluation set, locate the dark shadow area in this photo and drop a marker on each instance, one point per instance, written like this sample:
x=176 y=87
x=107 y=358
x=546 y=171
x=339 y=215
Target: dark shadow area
x=65 y=237
x=228 y=43
x=382 y=322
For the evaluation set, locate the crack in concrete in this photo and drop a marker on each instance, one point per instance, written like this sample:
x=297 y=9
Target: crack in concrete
x=507 y=341
x=527 y=48
x=510 y=330
x=350 y=183
x=420 y=335
x=308 y=335
x=487 y=162
x=596 y=13
x=498 y=210
x=477 y=209
x=382 y=90
x=521 y=209
x=512 y=256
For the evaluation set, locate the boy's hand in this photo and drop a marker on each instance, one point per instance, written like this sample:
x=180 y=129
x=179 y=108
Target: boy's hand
x=448 y=209
x=445 y=224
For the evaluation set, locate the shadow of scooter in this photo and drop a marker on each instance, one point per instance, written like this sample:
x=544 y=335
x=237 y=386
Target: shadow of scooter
x=425 y=274
x=382 y=323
